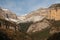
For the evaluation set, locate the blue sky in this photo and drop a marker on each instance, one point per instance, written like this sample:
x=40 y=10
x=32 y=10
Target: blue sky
x=21 y=7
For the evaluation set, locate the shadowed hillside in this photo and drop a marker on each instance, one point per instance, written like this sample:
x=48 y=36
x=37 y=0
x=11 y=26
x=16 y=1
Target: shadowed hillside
x=55 y=36
x=7 y=34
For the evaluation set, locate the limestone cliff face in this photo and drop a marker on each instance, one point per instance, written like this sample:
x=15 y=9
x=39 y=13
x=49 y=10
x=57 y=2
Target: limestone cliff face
x=52 y=12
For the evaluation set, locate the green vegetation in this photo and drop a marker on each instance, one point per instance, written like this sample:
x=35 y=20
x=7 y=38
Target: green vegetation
x=25 y=26
x=42 y=35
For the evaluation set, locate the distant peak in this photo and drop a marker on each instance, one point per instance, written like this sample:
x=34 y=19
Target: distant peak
x=5 y=9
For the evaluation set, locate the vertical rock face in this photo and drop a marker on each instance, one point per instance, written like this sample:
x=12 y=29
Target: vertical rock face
x=7 y=13
x=52 y=12
x=34 y=23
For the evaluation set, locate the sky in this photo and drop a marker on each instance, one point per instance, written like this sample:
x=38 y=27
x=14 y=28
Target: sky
x=22 y=7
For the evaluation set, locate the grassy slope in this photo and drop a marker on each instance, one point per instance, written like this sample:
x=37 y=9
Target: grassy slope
x=41 y=35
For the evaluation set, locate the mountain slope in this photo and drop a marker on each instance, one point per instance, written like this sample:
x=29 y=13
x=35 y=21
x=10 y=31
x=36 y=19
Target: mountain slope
x=7 y=13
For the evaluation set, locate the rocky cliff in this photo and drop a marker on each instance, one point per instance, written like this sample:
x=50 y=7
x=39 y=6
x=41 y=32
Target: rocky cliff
x=40 y=24
x=52 y=12
x=42 y=29
x=5 y=13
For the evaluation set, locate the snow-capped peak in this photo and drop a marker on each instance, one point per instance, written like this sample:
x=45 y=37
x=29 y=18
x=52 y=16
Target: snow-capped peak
x=4 y=9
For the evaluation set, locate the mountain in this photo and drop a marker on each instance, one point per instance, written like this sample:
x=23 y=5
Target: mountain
x=38 y=15
x=38 y=26
x=54 y=11
x=5 y=13
x=51 y=12
x=34 y=24
x=42 y=23
x=38 y=12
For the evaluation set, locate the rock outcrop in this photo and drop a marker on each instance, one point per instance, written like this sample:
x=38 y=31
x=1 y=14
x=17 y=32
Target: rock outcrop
x=38 y=26
x=7 y=13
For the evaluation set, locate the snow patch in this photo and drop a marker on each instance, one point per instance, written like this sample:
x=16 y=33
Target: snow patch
x=10 y=19
x=5 y=9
